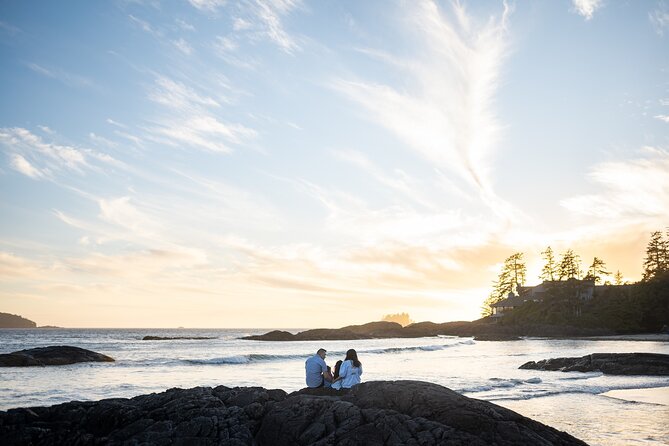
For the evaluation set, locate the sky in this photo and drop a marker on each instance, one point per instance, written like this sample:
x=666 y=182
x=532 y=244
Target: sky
x=297 y=164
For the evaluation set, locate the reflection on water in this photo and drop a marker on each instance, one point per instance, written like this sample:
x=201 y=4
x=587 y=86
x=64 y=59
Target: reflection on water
x=599 y=420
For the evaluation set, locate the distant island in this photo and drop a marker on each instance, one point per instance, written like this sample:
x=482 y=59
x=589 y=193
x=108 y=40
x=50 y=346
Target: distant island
x=15 y=321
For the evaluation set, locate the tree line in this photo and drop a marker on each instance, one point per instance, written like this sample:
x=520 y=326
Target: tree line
x=514 y=270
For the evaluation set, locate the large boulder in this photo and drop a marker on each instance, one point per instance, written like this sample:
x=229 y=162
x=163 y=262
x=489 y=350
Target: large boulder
x=374 y=413
x=607 y=363
x=54 y=355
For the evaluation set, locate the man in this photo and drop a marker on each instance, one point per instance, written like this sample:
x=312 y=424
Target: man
x=317 y=370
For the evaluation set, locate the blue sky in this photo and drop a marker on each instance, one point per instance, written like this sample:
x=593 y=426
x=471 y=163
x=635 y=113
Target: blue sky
x=283 y=163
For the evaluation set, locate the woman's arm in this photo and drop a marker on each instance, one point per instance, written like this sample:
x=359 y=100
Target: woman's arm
x=343 y=371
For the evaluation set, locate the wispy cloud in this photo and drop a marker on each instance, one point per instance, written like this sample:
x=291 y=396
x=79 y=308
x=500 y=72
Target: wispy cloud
x=448 y=116
x=69 y=79
x=192 y=122
x=270 y=13
x=659 y=18
x=183 y=46
x=22 y=165
x=36 y=158
x=586 y=8
x=207 y=5
x=9 y=28
x=145 y=26
x=664 y=118
x=185 y=25
x=632 y=189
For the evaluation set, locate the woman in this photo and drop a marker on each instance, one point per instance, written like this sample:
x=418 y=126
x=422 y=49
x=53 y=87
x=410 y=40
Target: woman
x=350 y=370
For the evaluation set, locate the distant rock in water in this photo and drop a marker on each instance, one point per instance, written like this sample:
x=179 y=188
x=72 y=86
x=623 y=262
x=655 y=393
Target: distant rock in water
x=373 y=413
x=54 y=355
x=608 y=363
x=162 y=338
x=496 y=337
x=15 y=321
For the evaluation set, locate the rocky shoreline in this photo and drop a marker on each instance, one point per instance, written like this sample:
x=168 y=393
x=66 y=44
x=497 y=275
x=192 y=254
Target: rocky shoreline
x=53 y=355
x=383 y=330
x=655 y=364
x=373 y=413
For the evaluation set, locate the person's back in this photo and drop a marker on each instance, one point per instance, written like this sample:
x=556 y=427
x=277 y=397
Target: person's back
x=315 y=367
x=350 y=370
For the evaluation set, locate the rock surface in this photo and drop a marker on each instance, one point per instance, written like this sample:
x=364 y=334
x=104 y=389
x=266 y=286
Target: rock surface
x=607 y=363
x=374 y=413
x=54 y=355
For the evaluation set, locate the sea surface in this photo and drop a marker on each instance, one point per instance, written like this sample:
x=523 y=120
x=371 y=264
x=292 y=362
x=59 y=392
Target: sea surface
x=572 y=402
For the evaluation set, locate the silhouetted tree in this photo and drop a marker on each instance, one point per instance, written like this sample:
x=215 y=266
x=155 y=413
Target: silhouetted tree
x=570 y=266
x=618 y=278
x=656 y=262
x=596 y=270
x=510 y=278
x=549 y=271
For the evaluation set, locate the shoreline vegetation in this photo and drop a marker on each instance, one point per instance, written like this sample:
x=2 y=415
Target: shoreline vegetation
x=372 y=413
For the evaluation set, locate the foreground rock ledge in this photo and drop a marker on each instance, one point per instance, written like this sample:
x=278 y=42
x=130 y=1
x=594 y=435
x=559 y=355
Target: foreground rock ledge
x=54 y=355
x=374 y=413
x=608 y=363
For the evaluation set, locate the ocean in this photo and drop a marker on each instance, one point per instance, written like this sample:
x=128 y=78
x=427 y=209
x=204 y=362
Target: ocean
x=572 y=402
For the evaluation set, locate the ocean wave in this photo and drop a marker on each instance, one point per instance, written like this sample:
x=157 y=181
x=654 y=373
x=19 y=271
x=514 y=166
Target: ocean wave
x=417 y=348
x=575 y=376
x=500 y=383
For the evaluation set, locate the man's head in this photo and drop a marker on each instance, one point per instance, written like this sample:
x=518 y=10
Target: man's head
x=321 y=352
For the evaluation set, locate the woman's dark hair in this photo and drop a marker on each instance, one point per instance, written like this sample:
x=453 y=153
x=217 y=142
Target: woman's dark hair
x=353 y=356
x=337 y=367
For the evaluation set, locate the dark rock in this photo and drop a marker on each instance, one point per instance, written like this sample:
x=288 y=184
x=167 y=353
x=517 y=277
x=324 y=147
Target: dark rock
x=608 y=363
x=496 y=337
x=374 y=413
x=54 y=355
x=162 y=338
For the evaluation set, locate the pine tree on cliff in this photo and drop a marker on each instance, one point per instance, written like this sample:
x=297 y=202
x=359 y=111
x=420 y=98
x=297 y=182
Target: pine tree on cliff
x=618 y=278
x=596 y=270
x=656 y=262
x=549 y=271
x=570 y=266
x=510 y=278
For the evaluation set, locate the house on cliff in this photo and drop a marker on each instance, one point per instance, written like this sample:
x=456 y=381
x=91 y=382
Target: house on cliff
x=583 y=290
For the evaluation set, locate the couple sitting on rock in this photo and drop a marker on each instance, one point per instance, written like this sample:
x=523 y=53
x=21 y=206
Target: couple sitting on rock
x=346 y=373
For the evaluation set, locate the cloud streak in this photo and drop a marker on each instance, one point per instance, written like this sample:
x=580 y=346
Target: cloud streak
x=447 y=116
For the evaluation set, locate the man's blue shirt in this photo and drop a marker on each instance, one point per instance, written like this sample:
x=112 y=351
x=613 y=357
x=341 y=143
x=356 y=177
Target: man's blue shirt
x=315 y=367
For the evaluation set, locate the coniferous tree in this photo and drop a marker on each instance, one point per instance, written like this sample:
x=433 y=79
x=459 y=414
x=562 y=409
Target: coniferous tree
x=618 y=278
x=549 y=271
x=570 y=266
x=656 y=262
x=596 y=270
x=510 y=278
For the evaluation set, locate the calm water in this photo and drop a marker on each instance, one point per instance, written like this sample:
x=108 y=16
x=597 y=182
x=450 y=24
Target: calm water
x=484 y=370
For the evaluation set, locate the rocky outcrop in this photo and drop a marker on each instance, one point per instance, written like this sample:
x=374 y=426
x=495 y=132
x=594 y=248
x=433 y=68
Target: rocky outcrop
x=168 y=338
x=496 y=337
x=54 y=355
x=608 y=363
x=15 y=321
x=374 y=413
x=384 y=329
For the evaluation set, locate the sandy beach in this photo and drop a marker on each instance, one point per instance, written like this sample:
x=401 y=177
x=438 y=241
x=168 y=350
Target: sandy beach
x=656 y=395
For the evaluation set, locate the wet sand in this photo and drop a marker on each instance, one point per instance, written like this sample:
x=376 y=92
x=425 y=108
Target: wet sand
x=657 y=395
